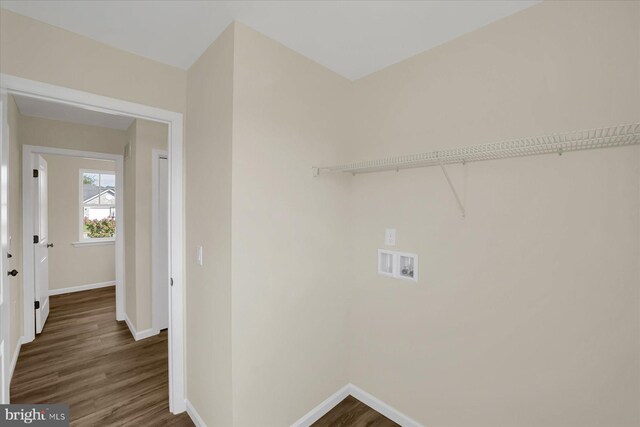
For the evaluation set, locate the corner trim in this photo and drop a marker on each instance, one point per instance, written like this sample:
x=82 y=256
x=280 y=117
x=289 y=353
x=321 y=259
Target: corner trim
x=81 y=288
x=138 y=335
x=193 y=414
x=14 y=360
x=316 y=413
x=388 y=411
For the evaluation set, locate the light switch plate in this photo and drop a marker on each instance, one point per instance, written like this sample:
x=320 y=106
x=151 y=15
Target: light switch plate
x=199 y=255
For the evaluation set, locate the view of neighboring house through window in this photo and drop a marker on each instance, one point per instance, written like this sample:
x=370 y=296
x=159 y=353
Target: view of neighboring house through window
x=98 y=205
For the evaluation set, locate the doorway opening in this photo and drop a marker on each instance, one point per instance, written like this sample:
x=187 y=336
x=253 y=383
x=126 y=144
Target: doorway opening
x=90 y=103
x=35 y=225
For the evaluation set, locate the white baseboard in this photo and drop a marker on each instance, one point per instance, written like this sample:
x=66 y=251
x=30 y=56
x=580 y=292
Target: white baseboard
x=388 y=411
x=316 y=413
x=14 y=360
x=81 y=288
x=138 y=335
x=193 y=414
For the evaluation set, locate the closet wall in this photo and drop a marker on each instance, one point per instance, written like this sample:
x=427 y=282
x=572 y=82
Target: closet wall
x=289 y=252
x=208 y=206
x=267 y=324
x=526 y=312
x=143 y=136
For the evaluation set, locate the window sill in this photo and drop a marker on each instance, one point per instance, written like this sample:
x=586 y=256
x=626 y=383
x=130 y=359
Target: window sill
x=97 y=243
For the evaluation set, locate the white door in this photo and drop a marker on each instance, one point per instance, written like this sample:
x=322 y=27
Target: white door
x=4 y=265
x=163 y=242
x=41 y=243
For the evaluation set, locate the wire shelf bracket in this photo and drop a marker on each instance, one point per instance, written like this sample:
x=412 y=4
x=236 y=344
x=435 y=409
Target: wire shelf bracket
x=453 y=189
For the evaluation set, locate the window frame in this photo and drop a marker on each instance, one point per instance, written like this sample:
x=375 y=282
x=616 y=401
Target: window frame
x=81 y=206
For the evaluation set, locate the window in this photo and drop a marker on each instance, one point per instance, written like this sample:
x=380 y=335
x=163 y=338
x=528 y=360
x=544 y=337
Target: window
x=97 y=205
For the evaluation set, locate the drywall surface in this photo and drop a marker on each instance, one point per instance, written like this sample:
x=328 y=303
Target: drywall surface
x=144 y=137
x=289 y=318
x=57 y=134
x=208 y=224
x=34 y=50
x=69 y=265
x=149 y=136
x=526 y=312
x=15 y=226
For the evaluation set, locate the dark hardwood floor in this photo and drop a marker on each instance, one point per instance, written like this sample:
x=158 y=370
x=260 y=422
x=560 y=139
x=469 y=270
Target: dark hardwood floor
x=87 y=359
x=351 y=412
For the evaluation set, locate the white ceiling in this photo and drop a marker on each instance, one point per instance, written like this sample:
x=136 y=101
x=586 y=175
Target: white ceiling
x=65 y=113
x=352 y=38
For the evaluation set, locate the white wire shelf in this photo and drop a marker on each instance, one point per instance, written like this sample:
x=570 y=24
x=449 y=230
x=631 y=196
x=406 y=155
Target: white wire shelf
x=615 y=136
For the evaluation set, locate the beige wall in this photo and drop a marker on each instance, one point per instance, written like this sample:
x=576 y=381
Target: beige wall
x=267 y=318
x=289 y=253
x=511 y=311
x=56 y=134
x=15 y=226
x=143 y=137
x=208 y=207
x=34 y=50
x=71 y=266
x=526 y=312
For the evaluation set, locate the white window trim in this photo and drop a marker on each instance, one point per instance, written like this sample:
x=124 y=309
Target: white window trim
x=82 y=240
x=95 y=242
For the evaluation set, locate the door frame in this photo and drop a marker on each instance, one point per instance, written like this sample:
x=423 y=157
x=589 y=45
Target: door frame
x=10 y=84
x=29 y=153
x=5 y=285
x=156 y=288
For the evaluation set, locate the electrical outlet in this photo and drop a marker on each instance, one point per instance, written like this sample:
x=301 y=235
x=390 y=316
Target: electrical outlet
x=390 y=237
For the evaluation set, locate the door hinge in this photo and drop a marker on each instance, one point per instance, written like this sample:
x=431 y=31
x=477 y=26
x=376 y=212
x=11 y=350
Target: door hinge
x=172 y=281
x=35 y=173
x=36 y=239
x=36 y=305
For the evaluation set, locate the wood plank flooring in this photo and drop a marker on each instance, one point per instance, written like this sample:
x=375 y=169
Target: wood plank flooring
x=353 y=413
x=87 y=359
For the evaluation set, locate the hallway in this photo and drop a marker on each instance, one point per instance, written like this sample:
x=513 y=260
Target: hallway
x=87 y=359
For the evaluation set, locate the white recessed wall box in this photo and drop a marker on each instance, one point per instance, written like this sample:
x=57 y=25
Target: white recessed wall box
x=407 y=267
x=386 y=263
x=399 y=265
